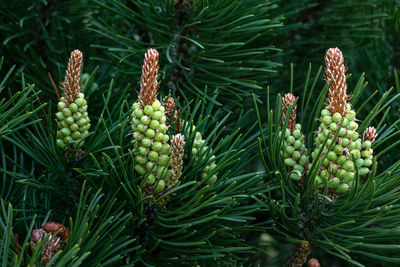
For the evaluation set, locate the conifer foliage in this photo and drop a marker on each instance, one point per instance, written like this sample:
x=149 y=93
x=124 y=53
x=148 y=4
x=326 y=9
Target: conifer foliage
x=333 y=202
x=129 y=137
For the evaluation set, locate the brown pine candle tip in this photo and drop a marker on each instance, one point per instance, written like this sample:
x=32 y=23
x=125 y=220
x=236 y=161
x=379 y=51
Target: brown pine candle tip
x=71 y=86
x=148 y=81
x=335 y=75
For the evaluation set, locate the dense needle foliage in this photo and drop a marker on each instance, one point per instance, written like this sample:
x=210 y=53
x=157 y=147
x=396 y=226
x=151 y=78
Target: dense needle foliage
x=209 y=168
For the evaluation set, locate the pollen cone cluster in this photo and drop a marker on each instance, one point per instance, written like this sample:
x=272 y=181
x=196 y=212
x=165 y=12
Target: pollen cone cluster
x=294 y=149
x=151 y=140
x=199 y=150
x=338 y=145
x=72 y=116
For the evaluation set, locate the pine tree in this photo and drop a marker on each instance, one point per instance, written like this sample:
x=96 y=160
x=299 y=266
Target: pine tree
x=128 y=132
x=336 y=205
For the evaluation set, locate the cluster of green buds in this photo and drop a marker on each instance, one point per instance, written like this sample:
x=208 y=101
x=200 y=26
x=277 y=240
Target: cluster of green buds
x=72 y=116
x=199 y=148
x=338 y=145
x=294 y=150
x=155 y=160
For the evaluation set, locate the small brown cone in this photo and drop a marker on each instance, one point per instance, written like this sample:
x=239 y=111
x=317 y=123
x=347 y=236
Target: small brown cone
x=370 y=135
x=148 y=80
x=335 y=73
x=287 y=102
x=71 y=86
x=300 y=255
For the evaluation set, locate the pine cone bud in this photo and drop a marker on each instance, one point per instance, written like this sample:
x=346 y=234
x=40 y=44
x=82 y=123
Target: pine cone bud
x=287 y=101
x=55 y=243
x=151 y=148
x=171 y=112
x=72 y=116
x=148 y=81
x=335 y=73
x=340 y=163
x=177 y=151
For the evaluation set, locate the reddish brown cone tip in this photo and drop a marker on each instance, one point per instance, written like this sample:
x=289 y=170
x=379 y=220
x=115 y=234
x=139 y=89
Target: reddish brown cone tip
x=148 y=81
x=287 y=102
x=335 y=75
x=71 y=86
x=370 y=135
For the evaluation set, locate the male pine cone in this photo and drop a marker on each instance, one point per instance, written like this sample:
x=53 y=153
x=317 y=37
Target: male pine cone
x=72 y=116
x=199 y=145
x=151 y=147
x=337 y=141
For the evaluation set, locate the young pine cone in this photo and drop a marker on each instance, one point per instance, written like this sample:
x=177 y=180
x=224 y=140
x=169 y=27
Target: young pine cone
x=72 y=116
x=339 y=166
x=151 y=148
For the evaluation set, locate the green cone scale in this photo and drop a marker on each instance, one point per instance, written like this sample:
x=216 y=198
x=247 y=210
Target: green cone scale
x=73 y=121
x=340 y=156
x=151 y=147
